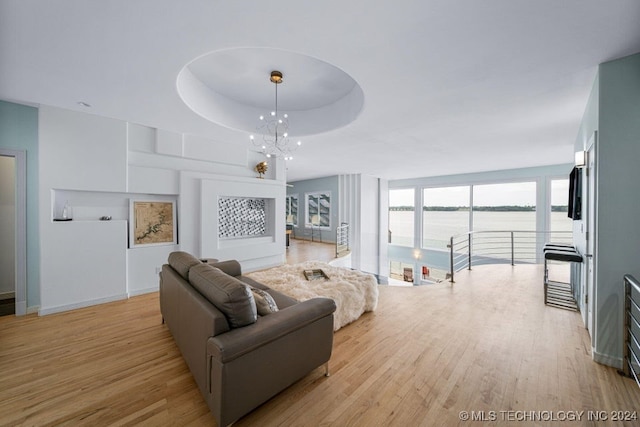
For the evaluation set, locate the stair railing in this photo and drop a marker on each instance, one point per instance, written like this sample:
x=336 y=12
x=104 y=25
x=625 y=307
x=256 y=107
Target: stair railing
x=631 y=350
x=342 y=239
x=499 y=247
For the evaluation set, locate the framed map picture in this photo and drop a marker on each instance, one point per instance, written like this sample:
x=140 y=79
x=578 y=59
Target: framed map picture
x=152 y=223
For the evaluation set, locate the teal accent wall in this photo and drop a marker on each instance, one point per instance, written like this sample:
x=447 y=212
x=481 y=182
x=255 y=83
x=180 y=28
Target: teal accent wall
x=329 y=183
x=588 y=126
x=618 y=204
x=19 y=131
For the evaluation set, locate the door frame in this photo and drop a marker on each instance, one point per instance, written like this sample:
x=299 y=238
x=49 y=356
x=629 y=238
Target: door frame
x=591 y=232
x=20 y=157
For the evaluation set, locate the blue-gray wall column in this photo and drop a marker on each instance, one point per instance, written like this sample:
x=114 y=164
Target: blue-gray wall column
x=19 y=131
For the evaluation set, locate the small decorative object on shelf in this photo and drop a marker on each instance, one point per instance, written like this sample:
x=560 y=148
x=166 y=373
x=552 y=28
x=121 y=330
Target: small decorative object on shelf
x=67 y=213
x=261 y=168
x=105 y=218
x=315 y=274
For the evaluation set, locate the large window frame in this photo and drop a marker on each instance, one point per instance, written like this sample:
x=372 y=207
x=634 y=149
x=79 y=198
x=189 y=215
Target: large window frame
x=318 y=203
x=395 y=238
x=431 y=253
x=427 y=209
x=560 y=195
x=419 y=192
x=485 y=214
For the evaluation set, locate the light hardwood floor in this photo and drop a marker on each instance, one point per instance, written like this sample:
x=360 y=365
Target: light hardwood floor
x=487 y=343
x=305 y=250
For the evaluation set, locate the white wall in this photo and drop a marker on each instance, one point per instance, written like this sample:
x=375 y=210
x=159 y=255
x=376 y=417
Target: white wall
x=383 y=228
x=360 y=202
x=369 y=224
x=7 y=225
x=82 y=151
x=82 y=262
x=349 y=212
x=100 y=164
x=252 y=252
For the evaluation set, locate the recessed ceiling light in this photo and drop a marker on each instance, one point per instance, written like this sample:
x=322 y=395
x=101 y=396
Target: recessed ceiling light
x=84 y=104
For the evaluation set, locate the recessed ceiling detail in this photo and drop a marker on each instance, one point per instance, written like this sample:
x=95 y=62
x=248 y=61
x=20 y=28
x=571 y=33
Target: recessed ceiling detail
x=228 y=87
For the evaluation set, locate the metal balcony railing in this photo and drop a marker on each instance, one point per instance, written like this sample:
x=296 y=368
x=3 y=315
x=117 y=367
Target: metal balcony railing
x=500 y=247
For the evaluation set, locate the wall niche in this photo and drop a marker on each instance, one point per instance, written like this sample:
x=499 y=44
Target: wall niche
x=241 y=217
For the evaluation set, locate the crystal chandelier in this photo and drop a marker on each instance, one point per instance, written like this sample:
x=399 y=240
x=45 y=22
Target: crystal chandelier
x=274 y=129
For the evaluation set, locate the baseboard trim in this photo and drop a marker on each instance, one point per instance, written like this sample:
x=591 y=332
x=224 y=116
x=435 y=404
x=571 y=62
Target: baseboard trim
x=606 y=359
x=51 y=310
x=7 y=295
x=257 y=264
x=20 y=308
x=33 y=309
x=137 y=292
x=343 y=261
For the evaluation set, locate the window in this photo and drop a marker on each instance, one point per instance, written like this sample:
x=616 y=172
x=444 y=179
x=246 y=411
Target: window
x=401 y=212
x=318 y=209
x=560 y=221
x=445 y=213
x=505 y=207
x=510 y=206
x=291 y=209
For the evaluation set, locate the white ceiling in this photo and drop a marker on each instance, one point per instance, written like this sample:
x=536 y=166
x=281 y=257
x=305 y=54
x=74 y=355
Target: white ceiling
x=450 y=86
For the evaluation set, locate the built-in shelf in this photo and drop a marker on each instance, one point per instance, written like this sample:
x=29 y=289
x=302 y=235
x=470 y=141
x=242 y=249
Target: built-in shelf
x=75 y=221
x=92 y=205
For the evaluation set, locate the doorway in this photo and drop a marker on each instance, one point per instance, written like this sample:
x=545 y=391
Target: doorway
x=13 y=234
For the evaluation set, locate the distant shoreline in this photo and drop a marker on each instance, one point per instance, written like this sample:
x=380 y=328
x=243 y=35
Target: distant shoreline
x=508 y=208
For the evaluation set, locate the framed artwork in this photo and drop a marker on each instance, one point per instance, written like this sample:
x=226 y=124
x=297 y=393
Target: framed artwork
x=152 y=222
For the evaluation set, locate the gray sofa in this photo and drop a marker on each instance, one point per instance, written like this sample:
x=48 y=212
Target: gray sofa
x=240 y=358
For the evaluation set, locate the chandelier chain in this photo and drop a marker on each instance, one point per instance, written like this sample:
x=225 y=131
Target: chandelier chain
x=274 y=129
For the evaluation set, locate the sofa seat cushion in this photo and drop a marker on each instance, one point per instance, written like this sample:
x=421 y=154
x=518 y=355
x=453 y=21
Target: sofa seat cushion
x=182 y=263
x=228 y=294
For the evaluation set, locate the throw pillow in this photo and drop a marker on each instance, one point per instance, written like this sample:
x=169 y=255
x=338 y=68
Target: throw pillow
x=264 y=302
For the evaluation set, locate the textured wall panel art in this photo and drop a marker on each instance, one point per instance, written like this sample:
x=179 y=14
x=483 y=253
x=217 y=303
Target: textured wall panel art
x=241 y=217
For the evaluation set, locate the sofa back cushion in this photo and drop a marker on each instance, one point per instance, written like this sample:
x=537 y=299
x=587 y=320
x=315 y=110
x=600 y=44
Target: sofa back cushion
x=231 y=267
x=228 y=294
x=182 y=263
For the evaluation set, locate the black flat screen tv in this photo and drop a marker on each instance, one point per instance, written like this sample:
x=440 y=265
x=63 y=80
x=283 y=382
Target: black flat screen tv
x=575 y=194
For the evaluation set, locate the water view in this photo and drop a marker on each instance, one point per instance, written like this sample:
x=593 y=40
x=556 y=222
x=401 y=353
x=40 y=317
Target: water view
x=439 y=226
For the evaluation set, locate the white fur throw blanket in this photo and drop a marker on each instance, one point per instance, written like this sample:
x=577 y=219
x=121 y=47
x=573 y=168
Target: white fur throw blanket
x=354 y=292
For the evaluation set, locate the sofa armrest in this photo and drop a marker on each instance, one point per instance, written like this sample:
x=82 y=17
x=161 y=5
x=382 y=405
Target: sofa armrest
x=237 y=342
